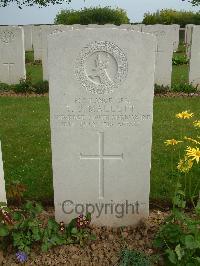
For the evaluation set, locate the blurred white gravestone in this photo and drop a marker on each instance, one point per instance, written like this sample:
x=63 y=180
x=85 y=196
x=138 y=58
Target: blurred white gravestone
x=176 y=35
x=188 y=39
x=28 y=38
x=37 y=42
x=194 y=73
x=12 y=54
x=2 y=181
x=47 y=30
x=164 y=52
x=101 y=101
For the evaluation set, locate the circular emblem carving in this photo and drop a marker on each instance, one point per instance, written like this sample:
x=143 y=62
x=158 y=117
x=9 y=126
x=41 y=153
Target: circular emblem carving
x=101 y=67
x=7 y=36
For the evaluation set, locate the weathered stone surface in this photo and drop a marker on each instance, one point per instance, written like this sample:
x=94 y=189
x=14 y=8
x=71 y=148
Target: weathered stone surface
x=188 y=39
x=46 y=31
x=164 y=52
x=37 y=42
x=101 y=101
x=28 y=37
x=12 y=54
x=194 y=74
x=2 y=181
x=176 y=36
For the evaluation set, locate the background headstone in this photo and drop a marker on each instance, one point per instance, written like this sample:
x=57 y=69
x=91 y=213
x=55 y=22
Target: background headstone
x=194 y=73
x=2 y=181
x=28 y=38
x=164 y=52
x=101 y=101
x=188 y=39
x=12 y=54
x=176 y=35
x=37 y=42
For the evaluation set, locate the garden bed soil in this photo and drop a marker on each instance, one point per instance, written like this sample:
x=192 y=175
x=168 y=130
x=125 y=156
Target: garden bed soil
x=104 y=251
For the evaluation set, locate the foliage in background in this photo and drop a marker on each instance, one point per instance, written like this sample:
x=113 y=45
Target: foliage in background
x=26 y=86
x=171 y=16
x=184 y=87
x=93 y=15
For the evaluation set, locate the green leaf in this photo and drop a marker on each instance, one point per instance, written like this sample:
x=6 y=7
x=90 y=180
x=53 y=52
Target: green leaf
x=198 y=259
x=171 y=256
x=190 y=242
x=74 y=231
x=4 y=230
x=17 y=216
x=179 y=252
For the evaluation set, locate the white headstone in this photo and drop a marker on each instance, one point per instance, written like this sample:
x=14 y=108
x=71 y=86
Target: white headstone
x=12 y=54
x=37 y=42
x=188 y=33
x=101 y=101
x=46 y=31
x=194 y=73
x=176 y=35
x=137 y=27
x=188 y=39
x=2 y=181
x=28 y=38
x=164 y=52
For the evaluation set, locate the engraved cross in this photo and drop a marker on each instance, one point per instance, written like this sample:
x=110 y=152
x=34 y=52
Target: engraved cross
x=101 y=157
x=9 y=68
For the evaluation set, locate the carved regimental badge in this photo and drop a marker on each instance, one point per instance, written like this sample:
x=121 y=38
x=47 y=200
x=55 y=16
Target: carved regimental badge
x=101 y=67
x=6 y=36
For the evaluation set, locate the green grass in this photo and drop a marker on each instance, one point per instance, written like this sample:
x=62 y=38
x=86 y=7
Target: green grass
x=35 y=72
x=180 y=74
x=25 y=135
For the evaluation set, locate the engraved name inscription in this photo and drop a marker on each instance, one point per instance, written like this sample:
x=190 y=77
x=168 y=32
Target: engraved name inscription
x=101 y=112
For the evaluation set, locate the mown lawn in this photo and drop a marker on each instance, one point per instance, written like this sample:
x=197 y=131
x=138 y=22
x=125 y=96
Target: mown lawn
x=25 y=135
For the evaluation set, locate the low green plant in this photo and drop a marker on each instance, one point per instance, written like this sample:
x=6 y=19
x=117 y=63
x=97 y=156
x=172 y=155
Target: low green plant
x=179 y=60
x=25 y=86
x=184 y=87
x=5 y=87
x=133 y=258
x=23 y=228
x=41 y=87
x=160 y=89
x=179 y=237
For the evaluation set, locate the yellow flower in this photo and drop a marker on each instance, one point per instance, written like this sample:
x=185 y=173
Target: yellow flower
x=185 y=165
x=194 y=153
x=196 y=123
x=172 y=142
x=192 y=140
x=184 y=115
